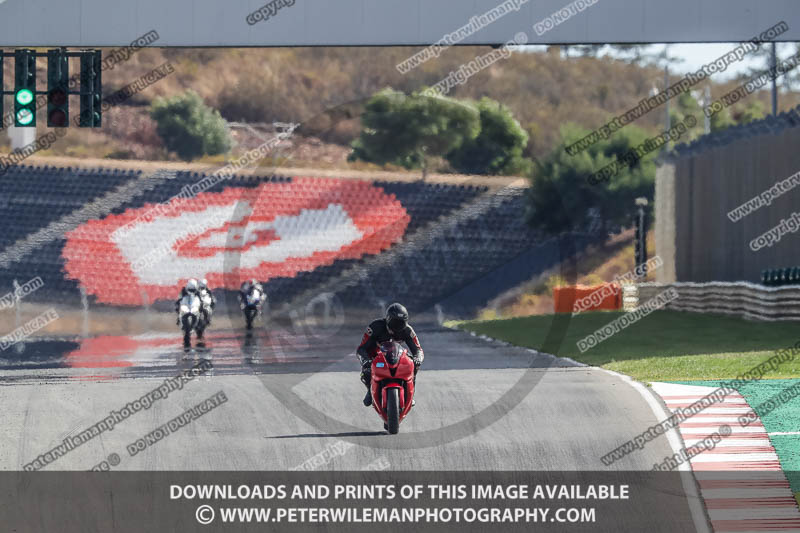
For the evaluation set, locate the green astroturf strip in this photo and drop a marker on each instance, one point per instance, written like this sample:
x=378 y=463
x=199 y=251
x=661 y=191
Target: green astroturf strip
x=784 y=419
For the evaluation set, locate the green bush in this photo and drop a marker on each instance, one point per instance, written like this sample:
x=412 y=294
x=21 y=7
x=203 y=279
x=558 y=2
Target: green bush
x=190 y=128
x=498 y=147
x=410 y=130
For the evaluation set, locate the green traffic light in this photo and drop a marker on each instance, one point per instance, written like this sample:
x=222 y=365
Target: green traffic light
x=24 y=117
x=24 y=96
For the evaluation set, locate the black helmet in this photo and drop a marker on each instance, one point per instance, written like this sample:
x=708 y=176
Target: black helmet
x=396 y=317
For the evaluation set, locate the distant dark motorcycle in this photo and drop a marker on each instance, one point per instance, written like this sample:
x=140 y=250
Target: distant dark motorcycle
x=251 y=305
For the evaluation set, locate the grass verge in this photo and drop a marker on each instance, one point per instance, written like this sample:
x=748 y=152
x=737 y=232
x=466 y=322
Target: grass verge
x=663 y=346
x=692 y=348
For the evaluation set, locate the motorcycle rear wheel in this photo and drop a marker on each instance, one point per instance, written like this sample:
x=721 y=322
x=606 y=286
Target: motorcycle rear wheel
x=392 y=411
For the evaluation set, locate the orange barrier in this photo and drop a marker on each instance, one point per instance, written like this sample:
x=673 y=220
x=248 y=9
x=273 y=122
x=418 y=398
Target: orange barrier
x=608 y=297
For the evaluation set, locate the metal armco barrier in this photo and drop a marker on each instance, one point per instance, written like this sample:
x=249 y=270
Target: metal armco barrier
x=745 y=299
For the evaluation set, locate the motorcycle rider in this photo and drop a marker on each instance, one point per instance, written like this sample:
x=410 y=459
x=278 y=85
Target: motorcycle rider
x=394 y=326
x=191 y=287
x=244 y=288
x=247 y=288
x=209 y=302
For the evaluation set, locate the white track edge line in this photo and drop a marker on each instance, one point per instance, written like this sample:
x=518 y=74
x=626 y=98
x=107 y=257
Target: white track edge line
x=695 y=500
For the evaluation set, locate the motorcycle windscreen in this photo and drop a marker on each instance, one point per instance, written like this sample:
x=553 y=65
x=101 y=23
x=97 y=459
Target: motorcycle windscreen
x=191 y=301
x=391 y=352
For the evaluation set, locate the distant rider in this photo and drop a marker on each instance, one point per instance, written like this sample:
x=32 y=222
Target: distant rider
x=192 y=287
x=208 y=300
x=394 y=327
x=247 y=288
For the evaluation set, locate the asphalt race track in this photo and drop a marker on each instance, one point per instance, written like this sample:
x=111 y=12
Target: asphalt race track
x=285 y=407
x=480 y=406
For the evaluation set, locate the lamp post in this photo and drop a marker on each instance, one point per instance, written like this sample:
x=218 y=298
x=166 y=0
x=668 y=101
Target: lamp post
x=640 y=236
x=704 y=99
x=773 y=61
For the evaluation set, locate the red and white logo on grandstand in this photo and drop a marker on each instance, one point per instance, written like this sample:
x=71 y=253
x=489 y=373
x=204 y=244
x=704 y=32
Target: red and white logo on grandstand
x=273 y=230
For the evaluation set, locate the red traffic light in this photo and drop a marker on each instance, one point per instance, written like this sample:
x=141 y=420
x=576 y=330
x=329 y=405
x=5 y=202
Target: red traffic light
x=57 y=119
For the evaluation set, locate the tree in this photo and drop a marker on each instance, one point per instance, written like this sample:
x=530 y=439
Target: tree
x=561 y=198
x=753 y=111
x=408 y=130
x=788 y=81
x=722 y=120
x=583 y=50
x=791 y=79
x=640 y=54
x=498 y=147
x=190 y=128
x=684 y=105
x=763 y=59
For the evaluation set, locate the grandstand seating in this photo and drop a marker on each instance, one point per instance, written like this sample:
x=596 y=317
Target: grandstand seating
x=780 y=277
x=36 y=196
x=426 y=202
x=63 y=191
x=768 y=125
x=452 y=260
x=469 y=256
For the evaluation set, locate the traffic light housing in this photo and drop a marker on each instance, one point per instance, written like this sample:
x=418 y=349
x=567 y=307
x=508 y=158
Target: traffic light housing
x=91 y=89
x=25 y=88
x=57 y=89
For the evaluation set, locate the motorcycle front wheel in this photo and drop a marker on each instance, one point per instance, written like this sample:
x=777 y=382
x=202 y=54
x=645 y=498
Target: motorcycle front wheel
x=393 y=411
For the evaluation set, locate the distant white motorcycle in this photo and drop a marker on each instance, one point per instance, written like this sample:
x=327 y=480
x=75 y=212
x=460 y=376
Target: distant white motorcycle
x=191 y=318
x=206 y=300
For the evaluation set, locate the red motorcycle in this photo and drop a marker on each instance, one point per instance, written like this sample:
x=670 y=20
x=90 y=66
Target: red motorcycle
x=392 y=384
